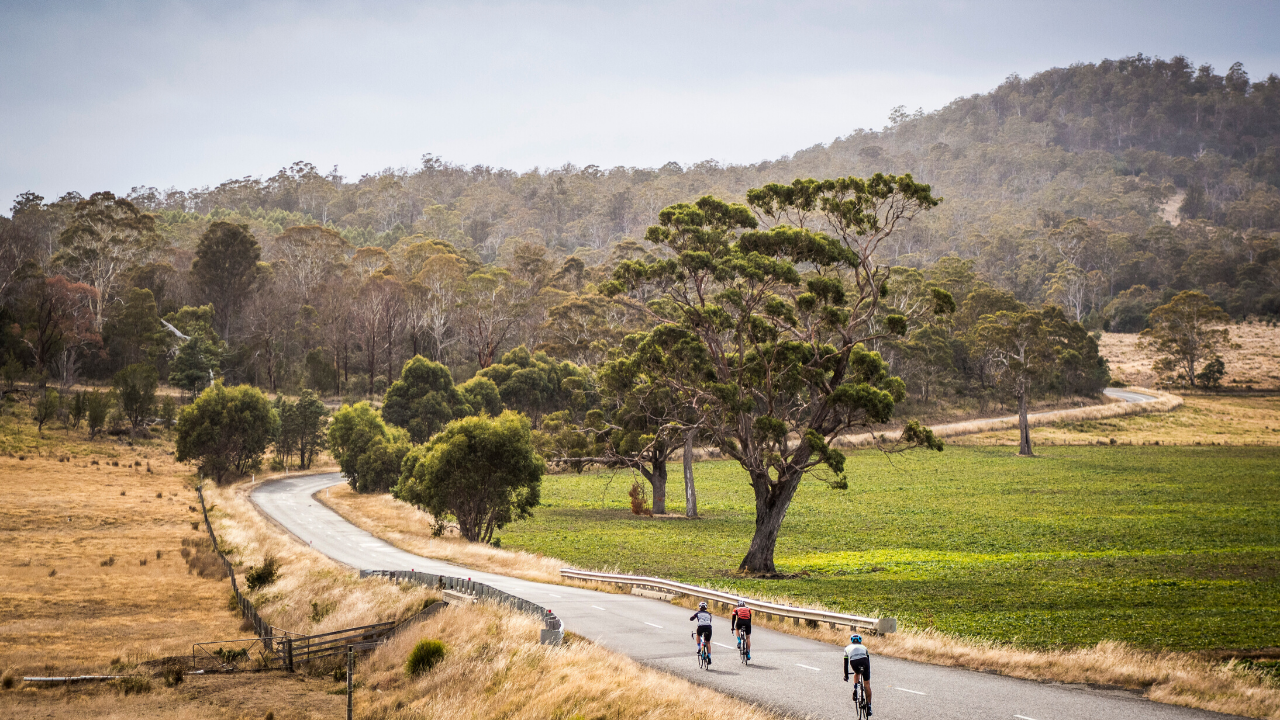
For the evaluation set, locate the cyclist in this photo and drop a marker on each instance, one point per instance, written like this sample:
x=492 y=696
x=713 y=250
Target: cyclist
x=858 y=660
x=740 y=625
x=704 y=629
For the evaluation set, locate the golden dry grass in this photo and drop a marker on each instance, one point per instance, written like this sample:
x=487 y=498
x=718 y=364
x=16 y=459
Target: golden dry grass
x=1200 y=420
x=1256 y=362
x=494 y=668
x=61 y=609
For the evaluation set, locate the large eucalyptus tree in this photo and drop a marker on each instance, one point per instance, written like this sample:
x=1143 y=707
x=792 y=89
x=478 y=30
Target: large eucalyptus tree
x=760 y=316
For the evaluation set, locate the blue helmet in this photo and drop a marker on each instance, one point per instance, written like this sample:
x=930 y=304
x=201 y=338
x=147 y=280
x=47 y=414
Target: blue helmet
x=856 y=639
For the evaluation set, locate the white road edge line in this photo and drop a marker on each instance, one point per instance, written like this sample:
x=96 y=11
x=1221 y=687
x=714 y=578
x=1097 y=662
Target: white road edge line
x=917 y=692
x=646 y=622
x=806 y=667
x=1024 y=717
x=597 y=607
x=726 y=647
x=553 y=595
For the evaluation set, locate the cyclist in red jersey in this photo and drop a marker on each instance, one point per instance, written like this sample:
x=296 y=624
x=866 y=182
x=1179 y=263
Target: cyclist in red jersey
x=740 y=624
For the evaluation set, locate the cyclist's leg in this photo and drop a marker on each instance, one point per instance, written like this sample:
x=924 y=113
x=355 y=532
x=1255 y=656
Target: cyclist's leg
x=747 y=639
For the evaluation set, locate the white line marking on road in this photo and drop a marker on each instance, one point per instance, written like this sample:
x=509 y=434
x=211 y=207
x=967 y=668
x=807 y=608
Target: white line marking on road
x=806 y=667
x=726 y=647
x=1024 y=717
x=597 y=607
x=915 y=692
x=553 y=595
x=646 y=622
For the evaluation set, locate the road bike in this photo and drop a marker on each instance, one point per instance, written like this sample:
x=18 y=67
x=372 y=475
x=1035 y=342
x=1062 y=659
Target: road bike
x=860 y=698
x=743 y=653
x=704 y=653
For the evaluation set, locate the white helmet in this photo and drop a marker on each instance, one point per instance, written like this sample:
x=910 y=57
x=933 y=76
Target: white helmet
x=702 y=605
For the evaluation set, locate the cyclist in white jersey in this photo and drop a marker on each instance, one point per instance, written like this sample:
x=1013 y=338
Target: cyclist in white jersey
x=704 y=628
x=857 y=659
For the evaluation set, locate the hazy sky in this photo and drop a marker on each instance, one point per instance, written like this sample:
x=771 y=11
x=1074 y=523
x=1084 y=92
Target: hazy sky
x=108 y=95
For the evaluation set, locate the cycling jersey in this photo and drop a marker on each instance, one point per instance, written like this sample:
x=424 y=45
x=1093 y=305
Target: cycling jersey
x=703 y=617
x=741 y=620
x=857 y=660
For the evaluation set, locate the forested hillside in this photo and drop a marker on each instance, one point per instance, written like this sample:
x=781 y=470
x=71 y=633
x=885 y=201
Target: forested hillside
x=1101 y=188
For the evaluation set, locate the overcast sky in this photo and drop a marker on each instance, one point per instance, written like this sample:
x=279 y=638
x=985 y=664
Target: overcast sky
x=109 y=95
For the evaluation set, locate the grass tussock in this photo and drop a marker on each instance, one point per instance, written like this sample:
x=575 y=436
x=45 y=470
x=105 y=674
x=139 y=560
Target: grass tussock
x=495 y=668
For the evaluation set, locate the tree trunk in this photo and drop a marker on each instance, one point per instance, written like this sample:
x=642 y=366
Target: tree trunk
x=658 y=480
x=772 y=501
x=1024 y=427
x=690 y=494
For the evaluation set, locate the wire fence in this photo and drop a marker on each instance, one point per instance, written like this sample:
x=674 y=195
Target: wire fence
x=277 y=648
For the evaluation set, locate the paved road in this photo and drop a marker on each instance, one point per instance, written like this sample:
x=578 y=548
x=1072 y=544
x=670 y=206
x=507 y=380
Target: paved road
x=792 y=674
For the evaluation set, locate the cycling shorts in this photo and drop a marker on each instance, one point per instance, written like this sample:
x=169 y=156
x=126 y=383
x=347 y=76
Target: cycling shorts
x=744 y=626
x=704 y=631
x=861 y=666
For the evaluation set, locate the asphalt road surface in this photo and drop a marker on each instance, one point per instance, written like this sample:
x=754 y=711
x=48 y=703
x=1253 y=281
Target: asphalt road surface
x=791 y=674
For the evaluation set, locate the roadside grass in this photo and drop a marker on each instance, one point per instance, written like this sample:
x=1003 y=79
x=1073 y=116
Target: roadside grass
x=65 y=606
x=1162 y=548
x=1203 y=419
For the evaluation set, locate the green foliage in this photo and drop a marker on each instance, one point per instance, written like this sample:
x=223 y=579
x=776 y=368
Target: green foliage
x=302 y=429
x=368 y=452
x=78 y=409
x=424 y=399
x=226 y=267
x=197 y=362
x=1074 y=548
x=1211 y=375
x=134 y=334
x=168 y=411
x=47 y=407
x=424 y=656
x=97 y=406
x=536 y=385
x=226 y=430
x=260 y=576
x=482 y=471
x=135 y=388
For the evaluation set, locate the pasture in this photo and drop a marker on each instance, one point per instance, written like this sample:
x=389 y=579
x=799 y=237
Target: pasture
x=1160 y=547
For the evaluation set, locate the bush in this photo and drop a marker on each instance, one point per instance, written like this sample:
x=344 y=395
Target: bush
x=639 y=499
x=260 y=576
x=425 y=655
x=226 y=431
x=134 y=684
x=173 y=676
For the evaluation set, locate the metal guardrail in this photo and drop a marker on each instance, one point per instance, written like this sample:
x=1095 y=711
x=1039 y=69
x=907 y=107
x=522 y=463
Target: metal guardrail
x=876 y=625
x=553 y=627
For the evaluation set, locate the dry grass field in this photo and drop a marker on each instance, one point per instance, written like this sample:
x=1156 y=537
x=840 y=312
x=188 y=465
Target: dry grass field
x=91 y=536
x=1203 y=419
x=1255 y=363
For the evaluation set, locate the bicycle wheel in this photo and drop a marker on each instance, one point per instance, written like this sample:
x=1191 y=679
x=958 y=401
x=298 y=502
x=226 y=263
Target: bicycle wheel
x=860 y=701
x=742 y=652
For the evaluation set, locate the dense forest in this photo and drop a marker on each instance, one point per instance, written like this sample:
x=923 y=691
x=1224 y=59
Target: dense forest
x=1101 y=189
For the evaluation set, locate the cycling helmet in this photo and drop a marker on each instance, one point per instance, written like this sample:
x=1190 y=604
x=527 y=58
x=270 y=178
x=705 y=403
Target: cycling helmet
x=702 y=606
x=742 y=603
x=856 y=639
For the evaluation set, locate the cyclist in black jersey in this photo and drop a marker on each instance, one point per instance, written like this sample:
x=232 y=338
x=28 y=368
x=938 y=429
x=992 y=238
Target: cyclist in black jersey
x=703 y=619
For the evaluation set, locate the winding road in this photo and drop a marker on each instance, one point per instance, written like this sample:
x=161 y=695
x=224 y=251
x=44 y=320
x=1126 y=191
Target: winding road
x=791 y=674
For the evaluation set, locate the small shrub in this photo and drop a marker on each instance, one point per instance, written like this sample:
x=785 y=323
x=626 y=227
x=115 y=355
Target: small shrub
x=320 y=612
x=22 y=457
x=116 y=463
x=639 y=499
x=195 y=526
x=93 y=462
x=149 y=470
x=424 y=656
x=134 y=685
x=159 y=495
x=173 y=676
x=108 y=562
x=277 y=464
x=157 y=554
x=52 y=572
x=142 y=562
x=260 y=576
x=185 y=553
x=231 y=655
x=496 y=542
x=839 y=484
x=233 y=603
x=122 y=492
x=9 y=681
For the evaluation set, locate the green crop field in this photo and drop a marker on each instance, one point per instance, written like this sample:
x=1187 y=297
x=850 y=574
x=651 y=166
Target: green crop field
x=1161 y=547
